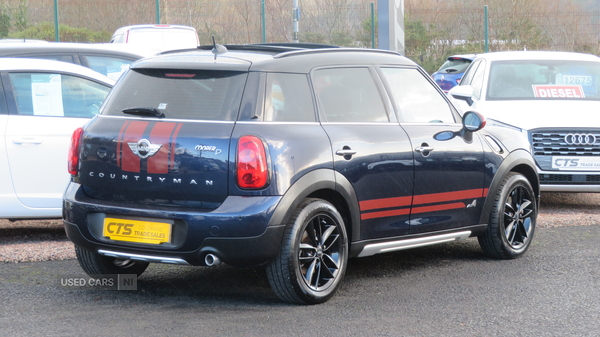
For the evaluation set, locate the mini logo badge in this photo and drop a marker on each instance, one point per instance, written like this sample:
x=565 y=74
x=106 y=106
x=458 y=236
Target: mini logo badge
x=144 y=148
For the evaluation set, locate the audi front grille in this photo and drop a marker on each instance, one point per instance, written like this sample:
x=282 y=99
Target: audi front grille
x=551 y=143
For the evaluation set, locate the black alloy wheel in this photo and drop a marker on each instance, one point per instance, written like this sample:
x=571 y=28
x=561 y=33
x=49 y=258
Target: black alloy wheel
x=513 y=218
x=313 y=257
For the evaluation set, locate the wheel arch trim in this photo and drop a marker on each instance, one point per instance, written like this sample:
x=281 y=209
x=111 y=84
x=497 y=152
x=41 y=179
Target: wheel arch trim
x=518 y=161
x=310 y=184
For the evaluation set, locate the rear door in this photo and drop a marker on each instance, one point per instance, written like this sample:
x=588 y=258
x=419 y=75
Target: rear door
x=449 y=170
x=45 y=108
x=370 y=149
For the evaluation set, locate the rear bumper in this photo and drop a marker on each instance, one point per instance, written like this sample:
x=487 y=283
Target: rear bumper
x=239 y=232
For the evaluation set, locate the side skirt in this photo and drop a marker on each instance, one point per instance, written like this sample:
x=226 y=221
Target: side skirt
x=369 y=249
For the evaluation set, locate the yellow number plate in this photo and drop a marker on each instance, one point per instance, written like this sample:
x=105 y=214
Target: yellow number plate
x=137 y=231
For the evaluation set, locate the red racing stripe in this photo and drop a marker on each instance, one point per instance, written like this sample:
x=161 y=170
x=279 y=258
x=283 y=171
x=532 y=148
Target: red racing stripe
x=447 y=196
x=419 y=200
x=120 y=142
x=173 y=144
x=385 y=203
x=384 y=214
x=133 y=133
x=160 y=134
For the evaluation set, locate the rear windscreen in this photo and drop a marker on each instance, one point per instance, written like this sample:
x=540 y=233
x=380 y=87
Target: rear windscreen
x=454 y=66
x=180 y=94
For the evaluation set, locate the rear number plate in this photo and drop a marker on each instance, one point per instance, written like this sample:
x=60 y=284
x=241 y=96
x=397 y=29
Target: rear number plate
x=137 y=231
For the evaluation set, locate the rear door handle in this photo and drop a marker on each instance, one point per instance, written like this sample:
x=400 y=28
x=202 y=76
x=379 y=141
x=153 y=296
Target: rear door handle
x=345 y=152
x=422 y=149
x=34 y=141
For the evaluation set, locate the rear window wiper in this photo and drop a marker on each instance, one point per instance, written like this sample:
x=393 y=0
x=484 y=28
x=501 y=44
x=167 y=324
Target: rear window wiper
x=141 y=111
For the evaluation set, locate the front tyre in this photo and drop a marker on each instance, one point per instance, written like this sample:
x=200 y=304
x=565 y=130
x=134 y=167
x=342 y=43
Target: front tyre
x=93 y=264
x=313 y=257
x=512 y=220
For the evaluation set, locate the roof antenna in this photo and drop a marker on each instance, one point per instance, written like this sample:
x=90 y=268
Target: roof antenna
x=218 y=49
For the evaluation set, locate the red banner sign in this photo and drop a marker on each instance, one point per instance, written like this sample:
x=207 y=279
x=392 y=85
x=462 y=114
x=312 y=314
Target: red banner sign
x=558 y=91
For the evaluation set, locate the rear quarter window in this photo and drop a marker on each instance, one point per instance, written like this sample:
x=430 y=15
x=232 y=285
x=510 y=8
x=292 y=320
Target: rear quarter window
x=180 y=94
x=288 y=98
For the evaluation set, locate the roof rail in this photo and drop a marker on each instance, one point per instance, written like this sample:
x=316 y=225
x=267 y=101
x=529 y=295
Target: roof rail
x=286 y=49
x=271 y=47
x=297 y=45
x=325 y=50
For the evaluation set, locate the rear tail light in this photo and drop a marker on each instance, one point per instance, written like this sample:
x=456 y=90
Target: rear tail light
x=252 y=165
x=73 y=165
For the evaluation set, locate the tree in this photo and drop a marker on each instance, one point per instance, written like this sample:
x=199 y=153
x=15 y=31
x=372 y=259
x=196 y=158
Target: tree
x=19 y=15
x=418 y=39
x=4 y=20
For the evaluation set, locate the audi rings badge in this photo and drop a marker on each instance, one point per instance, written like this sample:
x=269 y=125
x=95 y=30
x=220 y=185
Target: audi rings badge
x=580 y=139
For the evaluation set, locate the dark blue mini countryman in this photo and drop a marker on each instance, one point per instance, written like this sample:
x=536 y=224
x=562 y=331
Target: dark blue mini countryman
x=293 y=158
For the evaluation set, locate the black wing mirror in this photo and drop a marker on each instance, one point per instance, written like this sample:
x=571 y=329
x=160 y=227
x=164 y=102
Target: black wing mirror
x=472 y=121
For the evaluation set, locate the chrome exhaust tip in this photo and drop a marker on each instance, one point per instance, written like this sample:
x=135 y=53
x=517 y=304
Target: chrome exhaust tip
x=211 y=260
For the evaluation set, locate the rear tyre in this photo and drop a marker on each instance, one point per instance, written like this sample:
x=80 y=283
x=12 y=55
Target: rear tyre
x=93 y=264
x=313 y=257
x=512 y=221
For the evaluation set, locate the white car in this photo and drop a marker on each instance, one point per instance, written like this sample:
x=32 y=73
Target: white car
x=108 y=59
x=158 y=37
x=554 y=97
x=41 y=103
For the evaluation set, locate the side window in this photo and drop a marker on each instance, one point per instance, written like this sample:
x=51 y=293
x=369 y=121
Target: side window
x=288 y=98
x=417 y=99
x=112 y=67
x=3 y=108
x=477 y=82
x=468 y=76
x=44 y=94
x=62 y=58
x=348 y=95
